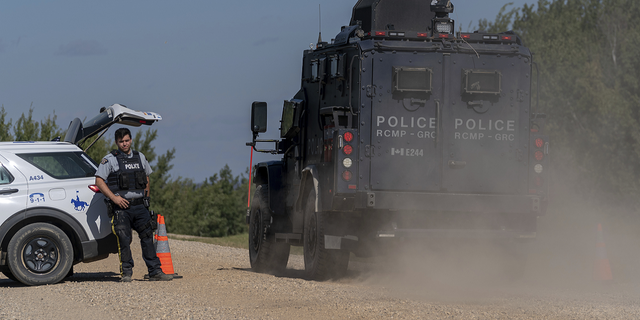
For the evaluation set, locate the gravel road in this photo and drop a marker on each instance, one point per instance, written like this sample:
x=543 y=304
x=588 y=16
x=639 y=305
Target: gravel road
x=217 y=283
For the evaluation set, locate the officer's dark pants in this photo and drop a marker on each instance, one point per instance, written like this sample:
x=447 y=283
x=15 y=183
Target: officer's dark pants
x=136 y=217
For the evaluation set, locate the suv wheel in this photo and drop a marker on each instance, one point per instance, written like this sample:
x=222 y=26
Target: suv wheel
x=40 y=253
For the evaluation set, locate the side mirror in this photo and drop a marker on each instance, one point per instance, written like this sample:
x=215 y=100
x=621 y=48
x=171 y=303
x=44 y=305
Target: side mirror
x=258 y=117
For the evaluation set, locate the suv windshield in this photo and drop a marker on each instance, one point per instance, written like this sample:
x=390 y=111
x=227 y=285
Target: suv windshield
x=62 y=165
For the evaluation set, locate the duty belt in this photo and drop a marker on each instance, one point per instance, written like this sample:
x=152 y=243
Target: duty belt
x=135 y=202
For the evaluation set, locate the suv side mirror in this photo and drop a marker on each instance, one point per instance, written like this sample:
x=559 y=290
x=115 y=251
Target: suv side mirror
x=258 y=117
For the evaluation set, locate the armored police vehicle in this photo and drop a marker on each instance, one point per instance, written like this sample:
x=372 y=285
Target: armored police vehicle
x=402 y=129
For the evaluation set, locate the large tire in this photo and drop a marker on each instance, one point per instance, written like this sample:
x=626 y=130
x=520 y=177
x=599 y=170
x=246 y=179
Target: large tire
x=265 y=255
x=320 y=263
x=39 y=254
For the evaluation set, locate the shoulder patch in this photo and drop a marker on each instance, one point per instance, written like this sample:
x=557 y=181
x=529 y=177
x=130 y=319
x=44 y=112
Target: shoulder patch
x=104 y=160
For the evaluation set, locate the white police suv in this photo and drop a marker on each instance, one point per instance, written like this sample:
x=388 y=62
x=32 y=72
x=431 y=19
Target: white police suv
x=52 y=216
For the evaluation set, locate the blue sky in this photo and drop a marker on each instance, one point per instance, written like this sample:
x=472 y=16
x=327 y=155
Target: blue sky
x=199 y=64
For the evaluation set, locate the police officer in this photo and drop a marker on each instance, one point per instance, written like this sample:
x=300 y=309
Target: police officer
x=123 y=177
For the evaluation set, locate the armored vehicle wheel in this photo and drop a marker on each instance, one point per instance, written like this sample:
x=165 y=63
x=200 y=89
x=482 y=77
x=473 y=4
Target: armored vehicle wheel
x=320 y=263
x=40 y=253
x=264 y=255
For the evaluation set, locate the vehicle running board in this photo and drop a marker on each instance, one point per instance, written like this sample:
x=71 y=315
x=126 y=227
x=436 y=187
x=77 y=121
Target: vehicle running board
x=291 y=238
x=340 y=242
x=330 y=242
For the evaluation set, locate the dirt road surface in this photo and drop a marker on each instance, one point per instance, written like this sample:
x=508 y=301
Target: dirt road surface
x=217 y=283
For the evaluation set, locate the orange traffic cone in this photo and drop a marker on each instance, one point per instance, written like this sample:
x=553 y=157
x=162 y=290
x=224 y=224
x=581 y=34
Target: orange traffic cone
x=602 y=267
x=162 y=248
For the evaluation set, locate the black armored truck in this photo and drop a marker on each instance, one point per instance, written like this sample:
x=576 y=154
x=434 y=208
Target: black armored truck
x=403 y=129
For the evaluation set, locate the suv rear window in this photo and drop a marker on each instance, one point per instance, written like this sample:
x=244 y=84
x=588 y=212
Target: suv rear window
x=62 y=165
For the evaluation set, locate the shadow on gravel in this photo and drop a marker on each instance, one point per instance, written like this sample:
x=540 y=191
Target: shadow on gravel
x=7 y=283
x=300 y=274
x=94 y=276
x=76 y=277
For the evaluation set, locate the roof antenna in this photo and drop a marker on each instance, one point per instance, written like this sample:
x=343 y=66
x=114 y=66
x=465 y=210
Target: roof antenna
x=319 y=25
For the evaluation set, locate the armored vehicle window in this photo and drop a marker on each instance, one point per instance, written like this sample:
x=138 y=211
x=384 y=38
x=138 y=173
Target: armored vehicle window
x=287 y=128
x=481 y=81
x=411 y=79
x=62 y=165
x=314 y=70
x=337 y=65
x=5 y=176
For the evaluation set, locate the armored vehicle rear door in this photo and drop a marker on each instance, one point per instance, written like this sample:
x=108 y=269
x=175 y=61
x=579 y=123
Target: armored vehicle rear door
x=447 y=122
x=406 y=92
x=484 y=123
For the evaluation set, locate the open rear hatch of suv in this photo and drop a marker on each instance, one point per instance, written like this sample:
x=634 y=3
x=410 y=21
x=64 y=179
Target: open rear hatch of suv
x=115 y=114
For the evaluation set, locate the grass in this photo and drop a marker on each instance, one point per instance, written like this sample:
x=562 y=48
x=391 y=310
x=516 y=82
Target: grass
x=238 y=241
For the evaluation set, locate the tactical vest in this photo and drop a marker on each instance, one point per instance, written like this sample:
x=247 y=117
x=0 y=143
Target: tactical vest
x=130 y=175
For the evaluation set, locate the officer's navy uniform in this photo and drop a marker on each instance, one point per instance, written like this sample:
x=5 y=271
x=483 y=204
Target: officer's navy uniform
x=126 y=176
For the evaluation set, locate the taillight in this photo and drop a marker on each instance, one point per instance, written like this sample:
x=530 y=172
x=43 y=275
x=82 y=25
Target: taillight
x=538 y=161
x=345 y=159
x=348 y=136
x=347 y=149
x=94 y=188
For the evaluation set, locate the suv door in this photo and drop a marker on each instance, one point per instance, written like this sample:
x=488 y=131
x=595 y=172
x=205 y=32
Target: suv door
x=13 y=190
x=62 y=182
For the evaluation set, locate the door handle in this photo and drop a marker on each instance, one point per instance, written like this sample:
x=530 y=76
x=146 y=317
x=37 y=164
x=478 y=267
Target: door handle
x=438 y=122
x=8 y=191
x=457 y=164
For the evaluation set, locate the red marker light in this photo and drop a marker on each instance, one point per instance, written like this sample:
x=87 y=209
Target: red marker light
x=380 y=33
x=347 y=175
x=443 y=36
x=539 y=143
x=539 y=155
x=348 y=136
x=347 y=149
x=423 y=34
x=466 y=36
x=538 y=181
x=507 y=38
x=352 y=187
x=94 y=188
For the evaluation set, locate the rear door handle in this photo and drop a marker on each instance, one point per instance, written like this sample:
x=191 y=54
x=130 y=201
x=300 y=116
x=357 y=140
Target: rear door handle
x=8 y=191
x=457 y=164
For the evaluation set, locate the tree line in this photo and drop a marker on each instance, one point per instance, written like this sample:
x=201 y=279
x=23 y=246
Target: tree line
x=587 y=82
x=214 y=207
x=589 y=86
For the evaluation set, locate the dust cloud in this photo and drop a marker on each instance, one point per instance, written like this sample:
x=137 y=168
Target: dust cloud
x=561 y=259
